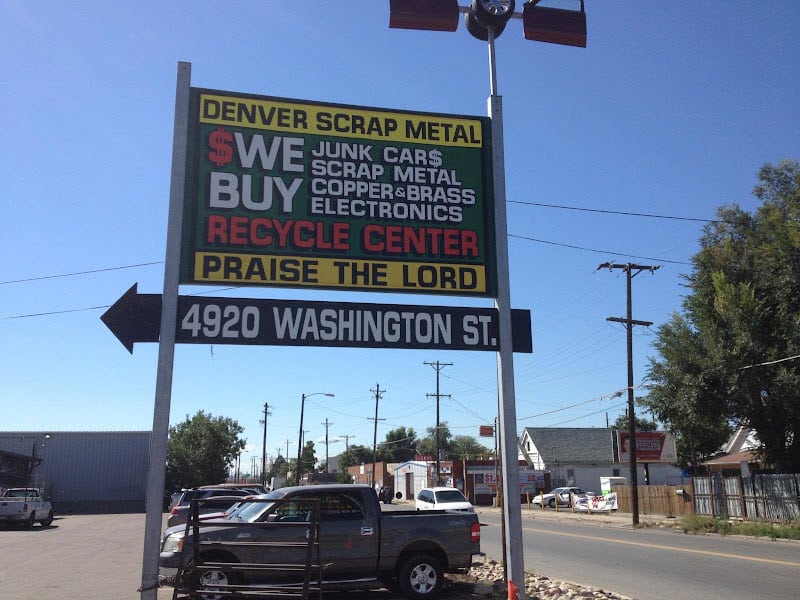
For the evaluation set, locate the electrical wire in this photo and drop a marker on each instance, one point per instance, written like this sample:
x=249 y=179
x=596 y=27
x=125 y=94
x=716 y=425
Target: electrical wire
x=617 y=212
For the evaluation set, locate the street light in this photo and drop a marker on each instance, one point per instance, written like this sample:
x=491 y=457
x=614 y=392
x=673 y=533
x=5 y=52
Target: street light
x=485 y=20
x=300 y=434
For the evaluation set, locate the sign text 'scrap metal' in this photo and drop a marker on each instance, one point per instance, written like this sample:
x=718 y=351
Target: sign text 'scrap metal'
x=292 y=193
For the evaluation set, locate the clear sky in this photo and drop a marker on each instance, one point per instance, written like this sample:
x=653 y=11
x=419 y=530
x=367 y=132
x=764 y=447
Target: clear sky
x=670 y=110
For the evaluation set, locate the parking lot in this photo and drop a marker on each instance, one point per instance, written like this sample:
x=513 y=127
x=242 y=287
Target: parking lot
x=90 y=557
x=81 y=557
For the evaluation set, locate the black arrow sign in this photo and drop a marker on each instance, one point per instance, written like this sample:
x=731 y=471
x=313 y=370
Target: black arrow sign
x=246 y=321
x=134 y=318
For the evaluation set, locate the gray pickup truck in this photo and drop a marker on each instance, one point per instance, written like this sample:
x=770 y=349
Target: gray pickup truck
x=359 y=547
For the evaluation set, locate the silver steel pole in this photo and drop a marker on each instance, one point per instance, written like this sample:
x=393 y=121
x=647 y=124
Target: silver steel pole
x=156 y=473
x=512 y=517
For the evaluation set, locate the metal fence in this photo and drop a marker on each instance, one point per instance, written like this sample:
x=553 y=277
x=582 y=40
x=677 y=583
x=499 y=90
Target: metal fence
x=762 y=497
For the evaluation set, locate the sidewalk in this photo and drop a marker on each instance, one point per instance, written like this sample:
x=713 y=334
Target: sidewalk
x=607 y=519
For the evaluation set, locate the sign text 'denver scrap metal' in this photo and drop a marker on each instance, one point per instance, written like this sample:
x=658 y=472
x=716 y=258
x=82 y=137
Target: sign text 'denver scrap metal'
x=293 y=193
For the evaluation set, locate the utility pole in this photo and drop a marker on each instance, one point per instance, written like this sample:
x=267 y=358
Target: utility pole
x=327 y=424
x=631 y=270
x=264 y=445
x=347 y=441
x=438 y=366
x=377 y=391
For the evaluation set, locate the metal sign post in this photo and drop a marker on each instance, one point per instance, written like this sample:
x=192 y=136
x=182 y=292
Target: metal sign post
x=512 y=518
x=166 y=349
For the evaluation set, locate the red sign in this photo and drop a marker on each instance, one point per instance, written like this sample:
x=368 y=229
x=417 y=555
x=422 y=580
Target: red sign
x=651 y=446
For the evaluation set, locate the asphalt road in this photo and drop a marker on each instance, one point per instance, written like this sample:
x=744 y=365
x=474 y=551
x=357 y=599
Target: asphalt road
x=650 y=563
x=99 y=557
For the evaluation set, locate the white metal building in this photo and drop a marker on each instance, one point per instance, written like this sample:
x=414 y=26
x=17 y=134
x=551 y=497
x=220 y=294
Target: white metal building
x=410 y=477
x=84 y=471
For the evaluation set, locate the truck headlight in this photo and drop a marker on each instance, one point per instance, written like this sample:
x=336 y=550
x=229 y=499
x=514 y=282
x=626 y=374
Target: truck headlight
x=173 y=543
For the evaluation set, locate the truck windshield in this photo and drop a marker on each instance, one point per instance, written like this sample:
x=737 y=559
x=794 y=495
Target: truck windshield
x=251 y=511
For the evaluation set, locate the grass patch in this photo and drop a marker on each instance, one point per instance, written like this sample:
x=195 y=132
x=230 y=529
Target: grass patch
x=699 y=524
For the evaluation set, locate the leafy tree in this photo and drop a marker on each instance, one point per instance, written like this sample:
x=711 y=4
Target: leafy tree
x=400 y=445
x=427 y=445
x=354 y=455
x=279 y=468
x=308 y=459
x=201 y=450
x=731 y=356
x=466 y=446
x=641 y=424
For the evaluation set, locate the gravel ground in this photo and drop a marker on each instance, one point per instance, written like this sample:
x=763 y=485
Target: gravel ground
x=486 y=581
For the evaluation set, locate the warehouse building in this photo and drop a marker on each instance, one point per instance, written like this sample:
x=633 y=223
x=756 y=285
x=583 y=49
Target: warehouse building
x=79 y=471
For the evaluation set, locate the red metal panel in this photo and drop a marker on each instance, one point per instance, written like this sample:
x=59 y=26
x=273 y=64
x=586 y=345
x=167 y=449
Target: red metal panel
x=554 y=25
x=431 y=15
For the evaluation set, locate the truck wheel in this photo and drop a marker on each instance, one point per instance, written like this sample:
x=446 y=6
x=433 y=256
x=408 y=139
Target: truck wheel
x=47 y=520
x=211 y=577
x=420 y=577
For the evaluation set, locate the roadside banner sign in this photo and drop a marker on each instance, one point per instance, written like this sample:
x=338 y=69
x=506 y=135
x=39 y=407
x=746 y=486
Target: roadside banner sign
x=293 y=193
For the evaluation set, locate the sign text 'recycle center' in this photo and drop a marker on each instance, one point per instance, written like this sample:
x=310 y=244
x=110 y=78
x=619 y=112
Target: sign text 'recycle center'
x=294 y=193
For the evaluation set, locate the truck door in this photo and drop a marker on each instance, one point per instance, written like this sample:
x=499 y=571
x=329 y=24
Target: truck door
x=348 y=537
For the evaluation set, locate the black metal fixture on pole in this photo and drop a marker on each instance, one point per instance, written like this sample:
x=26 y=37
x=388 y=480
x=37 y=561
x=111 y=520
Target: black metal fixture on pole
x=297 y=470
x=486 y=20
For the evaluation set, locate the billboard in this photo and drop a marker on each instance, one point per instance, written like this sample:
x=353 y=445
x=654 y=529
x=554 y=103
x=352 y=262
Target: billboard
x=293 y=193
x=651 y=446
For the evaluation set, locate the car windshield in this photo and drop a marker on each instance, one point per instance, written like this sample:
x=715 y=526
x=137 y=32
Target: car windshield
x=450 y=496
x=249 y=512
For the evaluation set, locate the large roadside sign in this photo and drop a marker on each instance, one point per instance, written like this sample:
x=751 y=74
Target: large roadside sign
x=293 y=193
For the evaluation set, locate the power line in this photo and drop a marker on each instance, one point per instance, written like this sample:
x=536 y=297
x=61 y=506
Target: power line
x=104 y=270
x=617 y=212
x=573 y=247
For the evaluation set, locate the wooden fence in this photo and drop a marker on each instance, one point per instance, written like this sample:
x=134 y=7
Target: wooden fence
x=657 y=499
x=760 y=497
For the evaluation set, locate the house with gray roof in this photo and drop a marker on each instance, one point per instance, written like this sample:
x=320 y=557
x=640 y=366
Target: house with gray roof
x=580 y=456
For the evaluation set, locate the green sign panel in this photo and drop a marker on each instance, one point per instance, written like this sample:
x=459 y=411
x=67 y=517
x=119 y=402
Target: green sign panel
x=293 y=193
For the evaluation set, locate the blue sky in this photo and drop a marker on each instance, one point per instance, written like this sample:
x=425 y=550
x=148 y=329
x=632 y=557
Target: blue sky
x=670 y=110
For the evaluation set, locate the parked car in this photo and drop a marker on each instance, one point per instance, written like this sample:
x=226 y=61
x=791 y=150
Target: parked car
x=560 y=495
x=359 y=546
x=215 y=499
x=442 y=498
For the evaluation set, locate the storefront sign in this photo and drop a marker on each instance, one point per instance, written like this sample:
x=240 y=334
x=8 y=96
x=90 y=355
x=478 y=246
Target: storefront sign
x=291 y=193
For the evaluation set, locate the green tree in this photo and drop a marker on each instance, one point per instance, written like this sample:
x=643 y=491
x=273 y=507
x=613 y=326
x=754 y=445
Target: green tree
x=731 y=356
x=466 y=446
x=354 y=455
x=427 y=445
x=400 y=445
x=641 y=423
x=201 y=450
x=279 y=468
x=308 y=459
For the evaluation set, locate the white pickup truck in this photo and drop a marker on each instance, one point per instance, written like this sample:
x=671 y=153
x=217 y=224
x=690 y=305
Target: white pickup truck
x=25 y=505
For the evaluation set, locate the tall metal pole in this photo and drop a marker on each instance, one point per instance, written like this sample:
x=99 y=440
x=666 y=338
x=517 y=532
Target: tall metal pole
x=264 y=447
x=512 y=517
x=156 y=474
x=299 y=441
